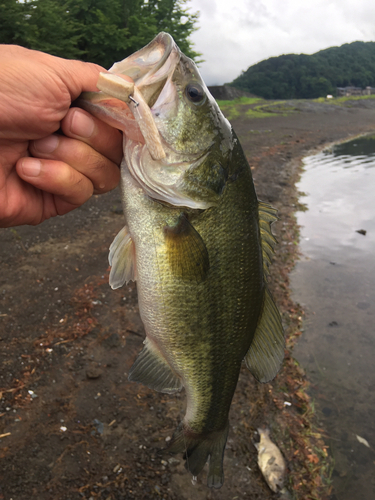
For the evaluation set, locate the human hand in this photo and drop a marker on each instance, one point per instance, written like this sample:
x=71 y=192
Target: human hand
x=44 y=174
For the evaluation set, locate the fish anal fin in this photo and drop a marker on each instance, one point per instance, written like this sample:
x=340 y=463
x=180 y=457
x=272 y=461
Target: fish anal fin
x=187 y=252
x=152 y=370
x=267 y=215
x=198 y=449
x=266 y=352
x=122 y=259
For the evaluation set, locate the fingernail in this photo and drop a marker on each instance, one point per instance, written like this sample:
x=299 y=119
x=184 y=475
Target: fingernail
x=82 y=125
x=46 y=145
x=31 y=167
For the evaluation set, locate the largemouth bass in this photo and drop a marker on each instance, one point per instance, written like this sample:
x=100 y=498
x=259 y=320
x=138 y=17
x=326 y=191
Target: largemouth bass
x=197 y=241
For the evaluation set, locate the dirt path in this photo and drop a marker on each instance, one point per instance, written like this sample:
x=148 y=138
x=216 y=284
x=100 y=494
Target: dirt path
x=71 y=425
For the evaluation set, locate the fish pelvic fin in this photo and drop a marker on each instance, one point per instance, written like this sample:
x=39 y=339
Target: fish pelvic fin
x=267 y=215
x=198 y=449
x=266 y=353
x=122 y=259
x=153 y=370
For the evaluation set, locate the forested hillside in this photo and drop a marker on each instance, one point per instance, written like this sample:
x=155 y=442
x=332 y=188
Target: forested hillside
x=309 y=76
x=100 y=31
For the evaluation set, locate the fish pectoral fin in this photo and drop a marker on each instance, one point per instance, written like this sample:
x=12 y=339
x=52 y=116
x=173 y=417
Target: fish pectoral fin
x=122 y=259
x=266 y=353
x=267 y=215
x=153 y=371
x=198 y=449
x=187 y=252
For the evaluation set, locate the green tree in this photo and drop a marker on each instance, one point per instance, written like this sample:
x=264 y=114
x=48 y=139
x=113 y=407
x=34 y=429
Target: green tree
x=13 y=22
x=104 y=36
x=100 y=31
x=174 y=17
x=52 y=29
x=303 y=76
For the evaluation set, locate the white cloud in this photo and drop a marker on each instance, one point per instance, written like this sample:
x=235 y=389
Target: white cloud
x=235 y=34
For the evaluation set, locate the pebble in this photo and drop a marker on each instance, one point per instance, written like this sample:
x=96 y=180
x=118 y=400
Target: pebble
x=173 y=461
x=93 y=372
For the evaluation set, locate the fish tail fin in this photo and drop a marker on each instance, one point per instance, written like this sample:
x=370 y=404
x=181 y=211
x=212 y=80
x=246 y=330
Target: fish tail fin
x=198 y=448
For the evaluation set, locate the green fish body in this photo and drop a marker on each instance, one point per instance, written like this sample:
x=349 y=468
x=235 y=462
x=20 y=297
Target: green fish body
x=198 y=243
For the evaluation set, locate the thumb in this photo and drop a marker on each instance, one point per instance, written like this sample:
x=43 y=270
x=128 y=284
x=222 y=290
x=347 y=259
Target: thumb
x=79 y=76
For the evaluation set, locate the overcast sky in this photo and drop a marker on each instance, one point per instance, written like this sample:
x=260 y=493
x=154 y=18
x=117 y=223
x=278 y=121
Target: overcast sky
x=235 y=34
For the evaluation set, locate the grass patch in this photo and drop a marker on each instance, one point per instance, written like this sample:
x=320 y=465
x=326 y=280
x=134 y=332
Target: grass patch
x=354 y=98
x=323 y=99
x=241 y=100
x=258 y=113
x=256 y=107
x=233 y=109
x=241 y=107
x=344 y=99
x=230 y=112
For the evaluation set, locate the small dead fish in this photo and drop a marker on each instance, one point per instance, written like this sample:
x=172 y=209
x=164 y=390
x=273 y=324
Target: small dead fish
x=270 y=461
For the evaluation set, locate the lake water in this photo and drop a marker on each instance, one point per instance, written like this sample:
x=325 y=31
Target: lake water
x=335 y=282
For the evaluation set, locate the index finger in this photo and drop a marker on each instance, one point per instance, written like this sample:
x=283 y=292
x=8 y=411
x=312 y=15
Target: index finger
x=79 y=124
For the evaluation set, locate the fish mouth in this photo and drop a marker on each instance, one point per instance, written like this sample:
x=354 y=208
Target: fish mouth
x=147 y=60
x=150 y=66
x=148 y=70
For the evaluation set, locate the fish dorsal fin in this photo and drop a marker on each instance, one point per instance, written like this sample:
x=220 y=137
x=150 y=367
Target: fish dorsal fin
x=266 y=353
x=153 y=371
x=187 y=252
x=267 y=215
x=122 y=259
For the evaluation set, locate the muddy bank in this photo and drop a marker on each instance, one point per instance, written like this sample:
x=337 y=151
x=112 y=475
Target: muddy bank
x=72 y=425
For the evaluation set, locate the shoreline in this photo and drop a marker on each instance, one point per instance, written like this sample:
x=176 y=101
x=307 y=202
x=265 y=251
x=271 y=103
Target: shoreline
x=70 y=340
x=298 y=435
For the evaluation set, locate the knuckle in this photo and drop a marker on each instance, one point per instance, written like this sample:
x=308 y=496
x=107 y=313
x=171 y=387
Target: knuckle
x=84 y=187
x=104 y=174
x=79 y=187
x=97 y=164
x=89 y=162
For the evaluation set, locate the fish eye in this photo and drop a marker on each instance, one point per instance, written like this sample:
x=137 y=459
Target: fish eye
x=195 y=93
